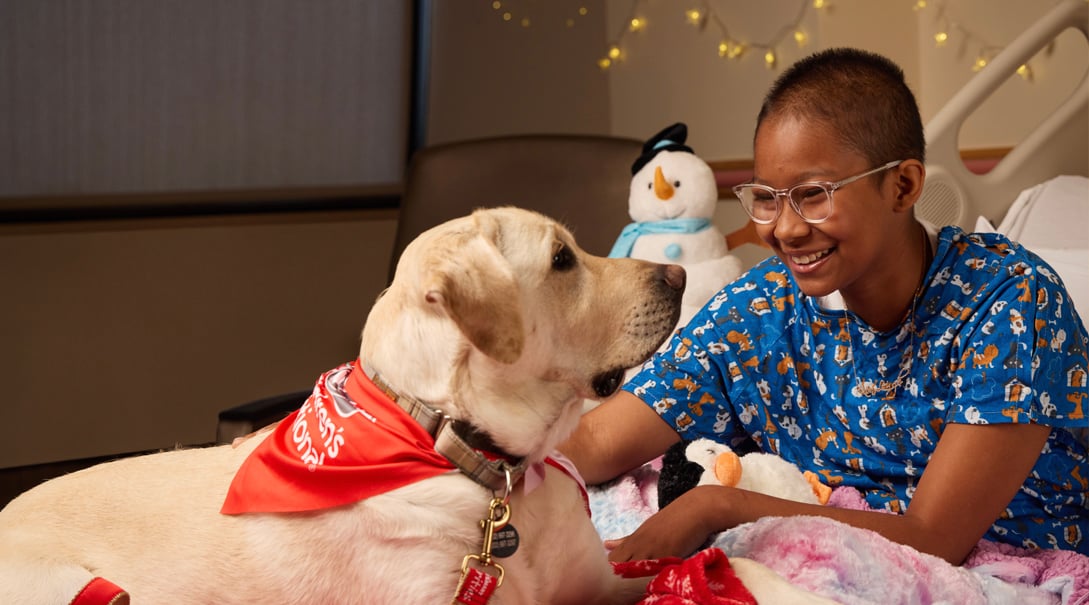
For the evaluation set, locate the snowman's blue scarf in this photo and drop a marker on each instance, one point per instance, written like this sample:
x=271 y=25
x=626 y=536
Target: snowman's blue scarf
x=626 y=241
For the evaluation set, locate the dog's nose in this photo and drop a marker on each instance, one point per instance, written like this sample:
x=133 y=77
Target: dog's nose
x=674 y=276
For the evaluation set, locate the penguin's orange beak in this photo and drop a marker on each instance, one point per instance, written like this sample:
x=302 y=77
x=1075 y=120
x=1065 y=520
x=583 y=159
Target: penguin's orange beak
x=662 y=188
x=728 y=469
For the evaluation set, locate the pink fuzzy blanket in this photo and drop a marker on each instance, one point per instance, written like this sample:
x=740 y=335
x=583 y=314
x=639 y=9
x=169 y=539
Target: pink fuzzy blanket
x=857 y=566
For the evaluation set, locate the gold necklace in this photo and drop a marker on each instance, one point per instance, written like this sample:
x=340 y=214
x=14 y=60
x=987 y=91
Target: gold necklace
x=870 y=388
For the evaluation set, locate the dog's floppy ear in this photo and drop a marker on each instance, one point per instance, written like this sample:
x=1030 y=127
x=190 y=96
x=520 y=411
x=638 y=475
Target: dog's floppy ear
x=477 y=289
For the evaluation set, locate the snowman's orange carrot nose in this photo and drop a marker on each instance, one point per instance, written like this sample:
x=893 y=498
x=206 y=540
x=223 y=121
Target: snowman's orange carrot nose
x=662 y=188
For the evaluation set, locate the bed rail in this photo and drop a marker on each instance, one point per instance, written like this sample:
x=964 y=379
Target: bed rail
x=1058 y=145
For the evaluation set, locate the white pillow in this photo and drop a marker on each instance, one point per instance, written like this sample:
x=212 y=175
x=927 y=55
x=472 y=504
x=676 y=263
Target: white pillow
x=1052 y=220
x=1073 y=267
x=984 y=226
x=1053 y=214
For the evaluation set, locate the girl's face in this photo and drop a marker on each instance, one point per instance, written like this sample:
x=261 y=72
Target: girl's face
x=860 y=247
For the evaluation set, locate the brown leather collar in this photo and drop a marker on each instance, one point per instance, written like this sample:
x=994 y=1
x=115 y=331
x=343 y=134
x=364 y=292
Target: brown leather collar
x=472 y=451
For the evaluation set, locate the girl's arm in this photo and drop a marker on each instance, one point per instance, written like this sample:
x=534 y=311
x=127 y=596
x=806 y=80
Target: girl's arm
x=617 y=436
x=973 y=474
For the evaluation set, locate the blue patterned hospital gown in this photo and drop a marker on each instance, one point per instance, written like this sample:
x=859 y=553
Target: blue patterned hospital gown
x=997 y=341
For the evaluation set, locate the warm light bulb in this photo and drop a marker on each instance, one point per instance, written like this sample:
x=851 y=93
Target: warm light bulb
x=735 y=51
x=819 y=4
x=980 y=63
x=920 y=5
x=497 y=5
x=614 y=52
x=723 y=48
x=570 y=22
x=800 y=37
x=1025 y=72
x=637 y=24
x=693 y=15
x=507 y=16
x=769 y=58
x=583 y=10
x=525 y=21
x=604 y=63
x=941 y=38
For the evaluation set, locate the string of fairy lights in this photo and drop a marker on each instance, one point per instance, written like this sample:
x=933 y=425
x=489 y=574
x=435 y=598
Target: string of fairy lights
x=949 y=29
x=730 y=46
x=701 y=14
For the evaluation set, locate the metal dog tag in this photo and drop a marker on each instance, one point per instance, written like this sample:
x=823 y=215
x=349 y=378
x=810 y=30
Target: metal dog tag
x=505 y=541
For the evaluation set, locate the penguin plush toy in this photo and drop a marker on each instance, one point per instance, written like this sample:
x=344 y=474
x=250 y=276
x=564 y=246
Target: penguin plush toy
x=702 y=461
x=672 y=200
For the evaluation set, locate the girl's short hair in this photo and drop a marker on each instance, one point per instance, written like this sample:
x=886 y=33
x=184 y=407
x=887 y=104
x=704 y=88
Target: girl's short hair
x=859 y=95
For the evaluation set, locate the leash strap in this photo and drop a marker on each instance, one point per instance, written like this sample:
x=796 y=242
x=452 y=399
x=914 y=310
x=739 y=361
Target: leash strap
x=475 y=587
x=100 y=591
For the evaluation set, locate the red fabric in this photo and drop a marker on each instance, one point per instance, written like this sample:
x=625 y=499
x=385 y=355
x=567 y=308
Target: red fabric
x=705 y=578
x=100 y=591
x=476 y=587
x=564 y=465
x=325 y=455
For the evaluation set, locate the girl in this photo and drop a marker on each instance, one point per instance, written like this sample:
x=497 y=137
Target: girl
x=929 y=370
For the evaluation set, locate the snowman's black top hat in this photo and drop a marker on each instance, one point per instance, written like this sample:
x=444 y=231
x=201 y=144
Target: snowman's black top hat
x=671 y=138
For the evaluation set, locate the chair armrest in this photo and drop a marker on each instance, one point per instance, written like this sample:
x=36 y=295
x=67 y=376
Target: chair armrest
x=246 y=418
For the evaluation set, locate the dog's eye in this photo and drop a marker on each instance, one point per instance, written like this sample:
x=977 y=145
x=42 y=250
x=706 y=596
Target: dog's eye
x=563 y=258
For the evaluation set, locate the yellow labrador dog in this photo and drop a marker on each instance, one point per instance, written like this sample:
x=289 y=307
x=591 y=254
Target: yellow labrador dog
x=495 y=329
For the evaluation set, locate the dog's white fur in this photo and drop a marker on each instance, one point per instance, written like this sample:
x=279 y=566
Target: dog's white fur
x=486 y=319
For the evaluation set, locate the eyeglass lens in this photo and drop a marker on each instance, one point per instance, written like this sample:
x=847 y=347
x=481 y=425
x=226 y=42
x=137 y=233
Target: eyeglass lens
x=810 y=200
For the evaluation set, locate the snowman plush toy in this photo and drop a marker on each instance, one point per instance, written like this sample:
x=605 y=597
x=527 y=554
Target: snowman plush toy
x=672 y=200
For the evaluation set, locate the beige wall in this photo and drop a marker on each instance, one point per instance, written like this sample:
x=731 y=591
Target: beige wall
x=126 y=336
x=494 y=78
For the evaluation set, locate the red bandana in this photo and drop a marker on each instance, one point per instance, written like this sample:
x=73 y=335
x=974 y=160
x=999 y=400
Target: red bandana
x=348 y=442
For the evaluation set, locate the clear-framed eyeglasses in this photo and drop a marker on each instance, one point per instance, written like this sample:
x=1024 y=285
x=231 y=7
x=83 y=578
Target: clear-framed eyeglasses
x=811 y=200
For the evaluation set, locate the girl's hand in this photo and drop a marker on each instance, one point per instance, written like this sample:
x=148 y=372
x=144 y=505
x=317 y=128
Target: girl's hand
x=677 y=530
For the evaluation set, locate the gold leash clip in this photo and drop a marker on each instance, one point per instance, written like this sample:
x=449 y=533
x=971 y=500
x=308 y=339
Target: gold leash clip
x=498 y=517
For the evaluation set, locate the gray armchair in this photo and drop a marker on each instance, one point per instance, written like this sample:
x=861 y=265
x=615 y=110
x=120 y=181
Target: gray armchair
x=579 y=180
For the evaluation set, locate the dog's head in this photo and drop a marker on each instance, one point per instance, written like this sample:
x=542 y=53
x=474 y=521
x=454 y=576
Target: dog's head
x=502 y=321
